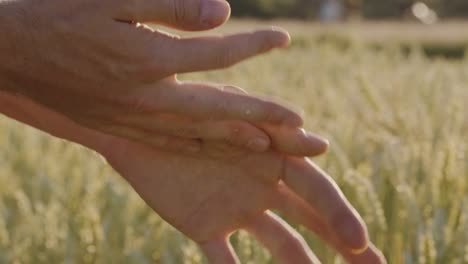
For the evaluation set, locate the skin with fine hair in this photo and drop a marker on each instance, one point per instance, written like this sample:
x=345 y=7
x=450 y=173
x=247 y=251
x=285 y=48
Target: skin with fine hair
x=92 y=61
x=96 y=76
x=209 y=197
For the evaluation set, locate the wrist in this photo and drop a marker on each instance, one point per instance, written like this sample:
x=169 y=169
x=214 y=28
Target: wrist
x=30 y=113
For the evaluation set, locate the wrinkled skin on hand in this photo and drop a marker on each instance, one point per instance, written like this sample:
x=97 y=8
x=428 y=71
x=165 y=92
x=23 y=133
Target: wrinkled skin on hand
x=91 y=61
x=208 y=198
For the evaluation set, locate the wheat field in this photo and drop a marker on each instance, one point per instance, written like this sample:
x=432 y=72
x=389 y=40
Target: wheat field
x=398 y=127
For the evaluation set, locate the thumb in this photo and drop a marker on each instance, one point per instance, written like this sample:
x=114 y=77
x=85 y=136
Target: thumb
x=180 y=14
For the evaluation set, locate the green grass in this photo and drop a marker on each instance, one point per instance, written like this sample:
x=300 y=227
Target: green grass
x=398 y=126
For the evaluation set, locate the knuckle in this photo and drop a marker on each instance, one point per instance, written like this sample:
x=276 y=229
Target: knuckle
x=146 y=72
x=122 y=72
x=162 y=62
x=141 y=69
x=114 y=69
x=142 y=64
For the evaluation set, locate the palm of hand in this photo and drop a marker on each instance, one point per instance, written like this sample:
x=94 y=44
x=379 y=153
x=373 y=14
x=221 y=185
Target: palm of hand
x=202 y=197
x=208 y=199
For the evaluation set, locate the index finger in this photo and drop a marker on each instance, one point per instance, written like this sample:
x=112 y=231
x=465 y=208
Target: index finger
x=216 y=52
x=321 y=193
x=298 y=211
x=284 y=243
x=219 y=251
x=208 y=101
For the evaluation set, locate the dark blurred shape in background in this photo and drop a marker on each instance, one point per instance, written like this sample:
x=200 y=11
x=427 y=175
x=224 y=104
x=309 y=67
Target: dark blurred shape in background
x=425 y=11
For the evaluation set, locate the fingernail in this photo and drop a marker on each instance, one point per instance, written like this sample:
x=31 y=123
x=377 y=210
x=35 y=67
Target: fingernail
x=214 y=12
x=359 y=251
x=258 y=144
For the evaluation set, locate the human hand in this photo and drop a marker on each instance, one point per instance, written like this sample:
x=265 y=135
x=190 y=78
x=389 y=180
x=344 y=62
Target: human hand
x=91 y=61
x=208 y=199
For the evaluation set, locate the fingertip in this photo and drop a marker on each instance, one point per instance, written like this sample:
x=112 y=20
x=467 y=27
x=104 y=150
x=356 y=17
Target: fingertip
x=314 y=144
x=370 y=255
x=214 y=13
x=377 y=254
x=268 y=39
x=282 y=37
x=324 y=144
x=350 y=229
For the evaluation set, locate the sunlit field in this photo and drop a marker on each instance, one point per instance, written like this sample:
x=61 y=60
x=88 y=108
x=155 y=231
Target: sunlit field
x=397 y=121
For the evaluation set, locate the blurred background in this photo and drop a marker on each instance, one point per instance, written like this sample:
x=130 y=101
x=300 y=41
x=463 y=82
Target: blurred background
x=386 y=81
x=434 y=26
x=336 y=10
